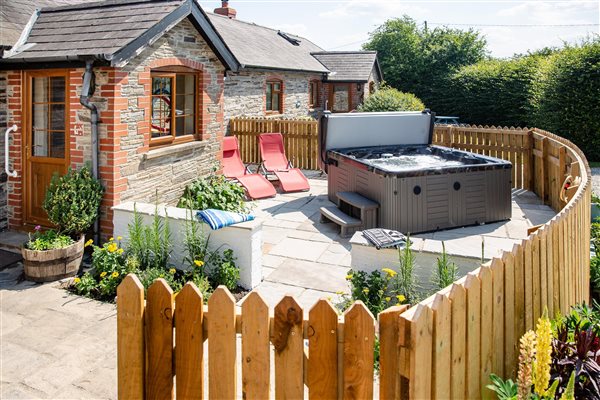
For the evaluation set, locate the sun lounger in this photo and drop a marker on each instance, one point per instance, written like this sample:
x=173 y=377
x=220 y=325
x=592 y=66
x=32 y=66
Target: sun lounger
x=275 y=162
x=256 y=185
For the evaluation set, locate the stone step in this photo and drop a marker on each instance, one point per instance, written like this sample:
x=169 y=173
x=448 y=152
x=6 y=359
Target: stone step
x=348 y=225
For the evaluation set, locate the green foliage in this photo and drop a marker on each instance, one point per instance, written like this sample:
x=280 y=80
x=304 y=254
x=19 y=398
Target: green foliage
x=570 y=101
x=405 y=281
x=417 y=60
x=595 y=198
x=48 y=240
x=370 y=288
x=72 y=201
x=496 y=92
x=149 y=275
x=505 y=390
x=595 y=276
x=446 y=271
x=151 y=244
x=595 y=236
x=213 y=191
x=389 y=99
x=225 y=272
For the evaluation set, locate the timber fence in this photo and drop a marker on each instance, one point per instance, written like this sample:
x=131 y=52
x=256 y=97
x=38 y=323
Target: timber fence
x=299 y=138
x=443 y=347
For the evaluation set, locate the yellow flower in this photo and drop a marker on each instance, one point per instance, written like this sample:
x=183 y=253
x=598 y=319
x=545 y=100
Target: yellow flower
x=388 y=299
x=172 y=271
x=115 y=274
x=102 y=274
x=543 y=355
x=339 y=292
x=199 y=263
x=76 y=280
x=119 y=237
x=401 y=298
x=112 y=247
x=111 y=239
x=89 y=242
x=348 y=277
x=120 y=251
x=390 y=272
x=366 y=290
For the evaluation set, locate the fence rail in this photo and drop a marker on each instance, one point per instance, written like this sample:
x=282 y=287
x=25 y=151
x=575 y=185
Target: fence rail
x=445 y=346
x=299 y=136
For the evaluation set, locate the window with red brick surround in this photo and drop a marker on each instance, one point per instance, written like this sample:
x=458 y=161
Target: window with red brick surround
x=274 y=96
x=174 y=105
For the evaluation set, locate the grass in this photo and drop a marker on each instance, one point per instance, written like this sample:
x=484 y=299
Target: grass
x=594 y=164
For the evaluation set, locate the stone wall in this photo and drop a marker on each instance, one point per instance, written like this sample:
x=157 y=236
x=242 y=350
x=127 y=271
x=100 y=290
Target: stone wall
x=245 y=93
x=3 y=177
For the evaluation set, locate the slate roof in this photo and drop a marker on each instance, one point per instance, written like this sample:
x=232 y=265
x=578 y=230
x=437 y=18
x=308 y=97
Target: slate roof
x=14 y=15
x=256 y=46
x=349 y=66
x=112 y=30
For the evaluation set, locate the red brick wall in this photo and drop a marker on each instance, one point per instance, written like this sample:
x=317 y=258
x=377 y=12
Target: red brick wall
x=15 y=116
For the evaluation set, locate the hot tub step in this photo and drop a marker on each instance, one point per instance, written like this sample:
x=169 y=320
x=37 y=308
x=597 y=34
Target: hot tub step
x=348 y=225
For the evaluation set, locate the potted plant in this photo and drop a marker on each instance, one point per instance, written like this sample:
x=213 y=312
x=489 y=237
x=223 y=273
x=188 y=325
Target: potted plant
x=72 y=202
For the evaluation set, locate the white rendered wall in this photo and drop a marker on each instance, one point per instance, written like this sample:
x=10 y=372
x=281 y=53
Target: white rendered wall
x=245 y=239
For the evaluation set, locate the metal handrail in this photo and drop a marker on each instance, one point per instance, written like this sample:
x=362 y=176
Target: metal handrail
x=10 y=173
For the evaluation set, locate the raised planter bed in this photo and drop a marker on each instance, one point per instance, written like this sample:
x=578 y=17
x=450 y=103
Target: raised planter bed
x=51 y=265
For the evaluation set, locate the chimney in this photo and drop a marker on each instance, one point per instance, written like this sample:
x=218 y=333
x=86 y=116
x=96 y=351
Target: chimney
x=226 y=10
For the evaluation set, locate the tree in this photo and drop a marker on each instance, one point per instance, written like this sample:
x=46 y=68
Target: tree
x=418 y=61
x=390 y=99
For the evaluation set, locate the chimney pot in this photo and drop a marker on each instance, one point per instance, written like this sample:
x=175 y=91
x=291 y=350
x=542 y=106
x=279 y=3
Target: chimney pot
x=226 y=10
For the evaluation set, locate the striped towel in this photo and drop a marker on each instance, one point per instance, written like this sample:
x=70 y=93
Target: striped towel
x=218 y=219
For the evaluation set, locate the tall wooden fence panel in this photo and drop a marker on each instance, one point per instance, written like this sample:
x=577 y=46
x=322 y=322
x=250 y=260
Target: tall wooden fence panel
x=493 y=306
x=299 y=137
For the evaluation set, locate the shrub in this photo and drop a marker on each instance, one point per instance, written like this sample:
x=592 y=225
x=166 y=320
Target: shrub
x=213 y=191
x=570 y=101
x=225 y=271
x=72 y=201
x=496 y=92
x=390 y=99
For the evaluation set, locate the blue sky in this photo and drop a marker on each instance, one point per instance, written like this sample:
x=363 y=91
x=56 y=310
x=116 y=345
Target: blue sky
x=345 y=25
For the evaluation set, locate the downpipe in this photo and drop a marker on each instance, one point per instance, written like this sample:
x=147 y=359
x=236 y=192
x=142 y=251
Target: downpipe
x=86 y=93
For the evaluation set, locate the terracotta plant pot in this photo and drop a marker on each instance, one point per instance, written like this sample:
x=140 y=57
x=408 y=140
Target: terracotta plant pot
x=51 y=265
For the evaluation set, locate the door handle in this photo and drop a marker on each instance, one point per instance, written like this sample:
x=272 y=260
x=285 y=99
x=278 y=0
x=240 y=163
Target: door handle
x=10 y=173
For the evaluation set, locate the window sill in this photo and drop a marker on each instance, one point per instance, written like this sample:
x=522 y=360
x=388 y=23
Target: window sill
x=174 y=149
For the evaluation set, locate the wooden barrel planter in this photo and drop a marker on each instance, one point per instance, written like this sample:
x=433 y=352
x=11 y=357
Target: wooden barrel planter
x=51 y=265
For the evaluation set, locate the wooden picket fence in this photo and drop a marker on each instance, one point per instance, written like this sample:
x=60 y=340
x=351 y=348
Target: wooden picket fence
x=161 y=349
x=443 y=347
x=454 y=339
x=299 y=136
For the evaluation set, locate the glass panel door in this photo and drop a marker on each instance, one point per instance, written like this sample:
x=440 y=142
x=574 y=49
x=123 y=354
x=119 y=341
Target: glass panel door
x=46 y=142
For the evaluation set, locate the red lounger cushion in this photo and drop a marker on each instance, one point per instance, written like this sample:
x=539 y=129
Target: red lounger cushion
x=257 y=186
x=292 y=180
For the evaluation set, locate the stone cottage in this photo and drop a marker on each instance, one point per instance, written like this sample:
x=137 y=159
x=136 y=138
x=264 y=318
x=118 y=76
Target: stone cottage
x=143 y=91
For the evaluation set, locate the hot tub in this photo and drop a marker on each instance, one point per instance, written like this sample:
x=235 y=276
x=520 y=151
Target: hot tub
x=388 y=158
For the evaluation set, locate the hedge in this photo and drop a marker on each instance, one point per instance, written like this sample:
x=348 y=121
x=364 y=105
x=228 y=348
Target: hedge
x=570 y=104
x=557 y=91
x=390 y=99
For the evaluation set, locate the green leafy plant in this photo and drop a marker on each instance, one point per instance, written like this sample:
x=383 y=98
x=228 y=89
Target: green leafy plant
x=214 y=191
x=225 y=271
x=48 y=240
x=370 y=288
x=73 y=200
x=446 y=271
x=595 y=276
x=405 y=282
x=149 y=275
x=389 y=99
x=505 y=389
x=595 y=198
x=150 y=244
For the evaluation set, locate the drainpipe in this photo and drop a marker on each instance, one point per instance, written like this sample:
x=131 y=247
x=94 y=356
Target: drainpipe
x=84 y=99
